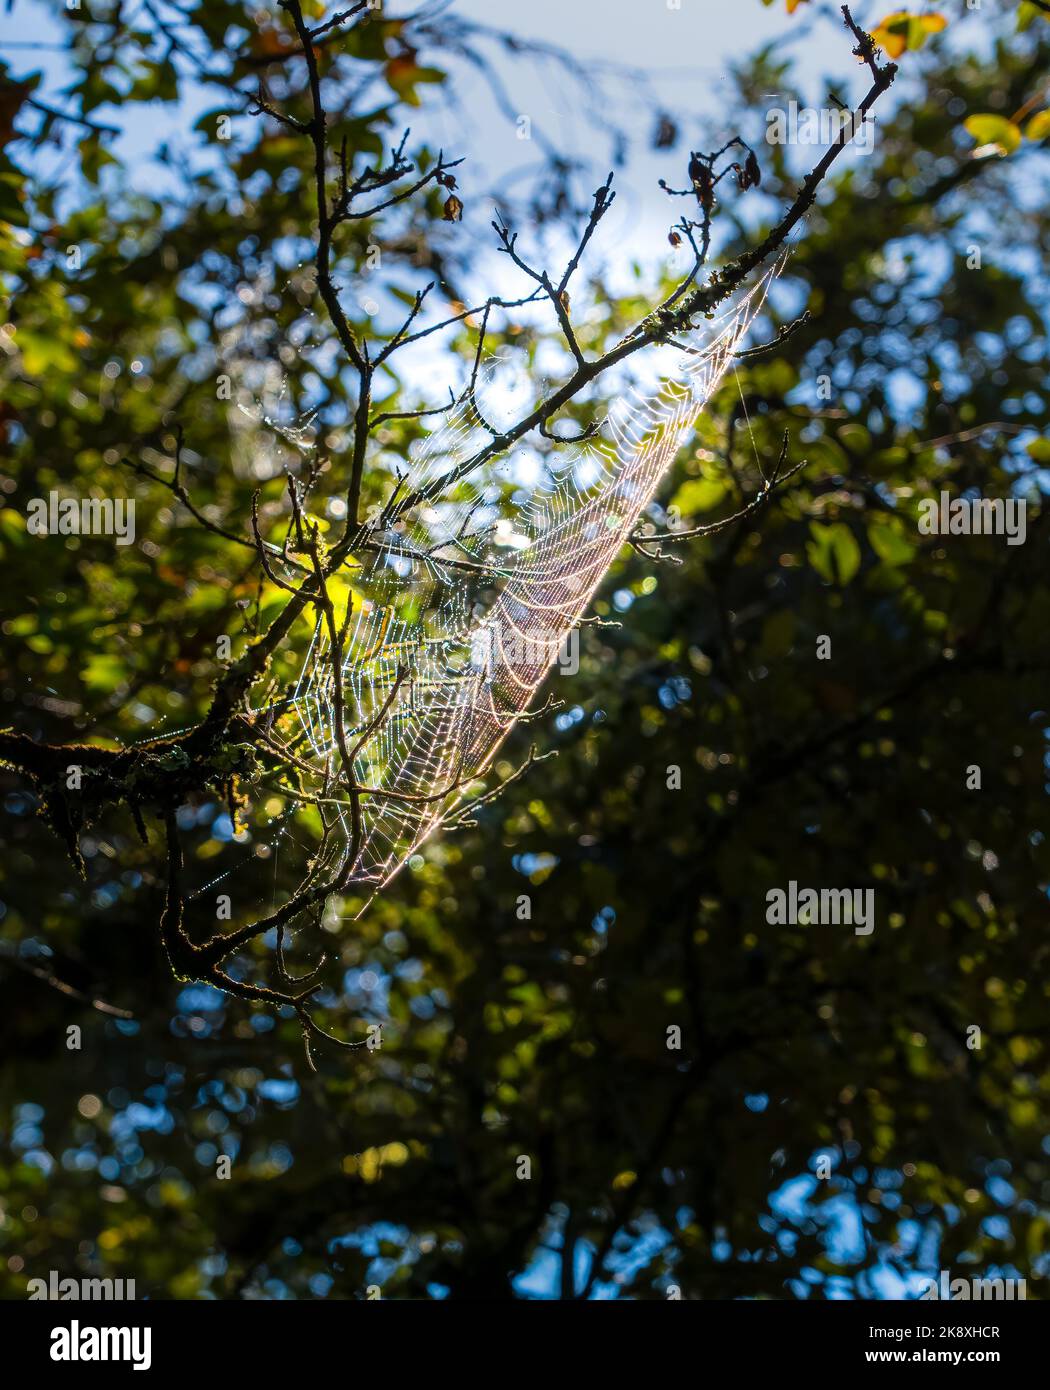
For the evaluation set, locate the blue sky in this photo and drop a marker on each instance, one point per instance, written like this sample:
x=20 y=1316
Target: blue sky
x=686 y=54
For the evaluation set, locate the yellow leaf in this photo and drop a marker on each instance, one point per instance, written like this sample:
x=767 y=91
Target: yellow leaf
x=903 y=30
x=1027 y=12
x=994 y=134
x=1038 y=128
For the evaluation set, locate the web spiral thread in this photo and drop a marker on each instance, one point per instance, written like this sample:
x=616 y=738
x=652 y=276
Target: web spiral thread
x=475 y=596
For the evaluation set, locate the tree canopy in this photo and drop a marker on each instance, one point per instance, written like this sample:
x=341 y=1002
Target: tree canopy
x=801 y=695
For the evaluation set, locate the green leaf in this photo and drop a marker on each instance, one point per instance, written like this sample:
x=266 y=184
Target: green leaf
x=833 y=552
x=889 y=543
x=155 y=82
x=403 y=74
x=698 y=495
x=103 y=673
x=93 y=157
x=12 y=208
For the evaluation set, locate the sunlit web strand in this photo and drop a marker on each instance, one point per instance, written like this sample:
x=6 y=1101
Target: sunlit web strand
x=476 y=646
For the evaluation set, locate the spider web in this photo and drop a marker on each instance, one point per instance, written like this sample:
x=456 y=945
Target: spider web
x=474 y=595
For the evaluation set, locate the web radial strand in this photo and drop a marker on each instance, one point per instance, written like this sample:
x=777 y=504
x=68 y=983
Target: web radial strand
x=474 y=598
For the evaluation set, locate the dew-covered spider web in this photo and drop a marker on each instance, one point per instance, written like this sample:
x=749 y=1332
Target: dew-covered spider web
x=473 y=592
